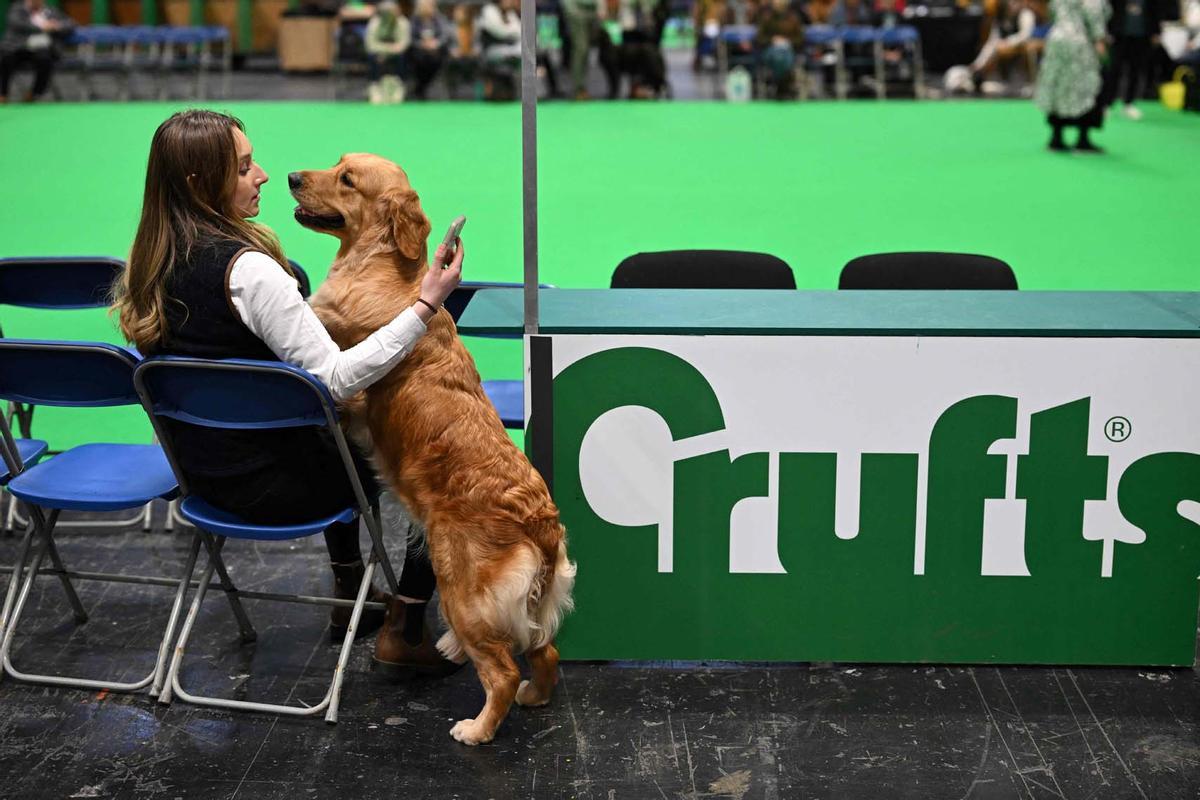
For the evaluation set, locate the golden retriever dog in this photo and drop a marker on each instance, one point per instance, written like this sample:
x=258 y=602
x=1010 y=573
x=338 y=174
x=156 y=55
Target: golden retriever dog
x=494 y=537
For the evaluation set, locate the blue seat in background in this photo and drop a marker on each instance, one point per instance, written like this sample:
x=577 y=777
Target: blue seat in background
x=63 y=283
x=251 y=395
x=506 y=395
x=92 y=477
x=907 y=38
x=859 y=50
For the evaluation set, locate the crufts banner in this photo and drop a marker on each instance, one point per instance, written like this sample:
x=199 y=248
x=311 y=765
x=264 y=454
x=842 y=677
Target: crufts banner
x=880 y=498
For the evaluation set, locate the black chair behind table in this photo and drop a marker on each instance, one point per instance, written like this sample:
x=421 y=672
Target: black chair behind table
x=703 y=269
x=927 y=271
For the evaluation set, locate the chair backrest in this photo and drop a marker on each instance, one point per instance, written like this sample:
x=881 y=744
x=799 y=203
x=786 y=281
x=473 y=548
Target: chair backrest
x=233 y=393
x=301 y=278
x=81 y=374
x=927 y=271
x=68 y=282
x=703 y=269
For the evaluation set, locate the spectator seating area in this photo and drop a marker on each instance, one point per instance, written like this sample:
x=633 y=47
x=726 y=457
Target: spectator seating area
x=835 y=58
x=149 y=62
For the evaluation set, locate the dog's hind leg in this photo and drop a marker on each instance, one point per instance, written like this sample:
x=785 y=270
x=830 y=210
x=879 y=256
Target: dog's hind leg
x=499 y=675
x=544 y=662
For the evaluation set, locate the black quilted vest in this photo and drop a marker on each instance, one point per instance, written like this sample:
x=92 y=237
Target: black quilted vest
x=202 y=323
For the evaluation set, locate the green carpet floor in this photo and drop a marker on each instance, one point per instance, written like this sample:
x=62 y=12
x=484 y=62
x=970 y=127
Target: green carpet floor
x=816 y=184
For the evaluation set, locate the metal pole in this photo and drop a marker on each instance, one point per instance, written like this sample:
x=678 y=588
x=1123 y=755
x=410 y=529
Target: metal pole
x=529 y=158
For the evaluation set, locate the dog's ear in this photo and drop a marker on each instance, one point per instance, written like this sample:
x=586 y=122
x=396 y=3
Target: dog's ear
x=409 y=225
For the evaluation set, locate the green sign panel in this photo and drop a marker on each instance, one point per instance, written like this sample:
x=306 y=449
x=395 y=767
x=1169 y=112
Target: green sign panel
x=883 y=499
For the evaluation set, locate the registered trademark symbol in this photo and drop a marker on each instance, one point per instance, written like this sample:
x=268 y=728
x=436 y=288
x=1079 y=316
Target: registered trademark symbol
x=1117 y=429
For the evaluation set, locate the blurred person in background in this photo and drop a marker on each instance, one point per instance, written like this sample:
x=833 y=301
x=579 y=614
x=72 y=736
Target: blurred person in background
x=640 y=52
x=707 y=18
x=387 y=40
x=432 y=36
x=780 y=37
x=500 y=37
x=1069 y=82
x=1135 y=28
x=500 y=40
x=1010 y=39
x=29 y=37
x=462 y=63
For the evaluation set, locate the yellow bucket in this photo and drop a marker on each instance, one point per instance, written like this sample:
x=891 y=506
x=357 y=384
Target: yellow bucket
x=1172 y=93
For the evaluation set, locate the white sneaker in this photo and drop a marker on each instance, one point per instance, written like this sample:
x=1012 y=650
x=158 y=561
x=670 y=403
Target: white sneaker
x=1131 y=112
x=992 y=88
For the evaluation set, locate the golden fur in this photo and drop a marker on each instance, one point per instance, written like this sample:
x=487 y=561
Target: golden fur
x=493 y=531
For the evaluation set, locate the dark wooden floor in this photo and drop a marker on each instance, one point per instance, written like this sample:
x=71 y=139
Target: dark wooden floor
x=613 y=731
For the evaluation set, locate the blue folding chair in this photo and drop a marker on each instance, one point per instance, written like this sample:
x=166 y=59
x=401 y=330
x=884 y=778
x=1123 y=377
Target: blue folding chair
x=821 y=50
x=184 y=51
x=252 y=395
x=15 y=456
x=90 y=477
x=104 y=49
x=859 y=49
x=730 y=53
x=217 y=35
x=908 y=39
x=143 y=55
x=58 y=283
x=507 y=395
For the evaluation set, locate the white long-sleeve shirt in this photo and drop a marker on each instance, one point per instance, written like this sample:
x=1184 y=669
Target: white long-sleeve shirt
x=270 y=305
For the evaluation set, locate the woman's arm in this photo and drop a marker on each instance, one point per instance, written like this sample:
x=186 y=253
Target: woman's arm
x=268 y=302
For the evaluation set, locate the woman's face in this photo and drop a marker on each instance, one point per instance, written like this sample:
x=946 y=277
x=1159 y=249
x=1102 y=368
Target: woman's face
x=250 y=177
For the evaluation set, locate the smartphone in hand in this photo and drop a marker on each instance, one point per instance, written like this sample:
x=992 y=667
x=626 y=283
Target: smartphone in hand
x=452 y=235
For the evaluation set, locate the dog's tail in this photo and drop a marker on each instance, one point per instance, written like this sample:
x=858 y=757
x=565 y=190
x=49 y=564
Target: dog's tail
x=528 y=600
x=550 y=595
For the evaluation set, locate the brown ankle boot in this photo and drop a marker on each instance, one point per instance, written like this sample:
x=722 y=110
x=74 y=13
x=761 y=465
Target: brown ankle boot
x=346 y=580
x=396 y=657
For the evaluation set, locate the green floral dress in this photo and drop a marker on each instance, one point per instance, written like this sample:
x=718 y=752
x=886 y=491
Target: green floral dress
x=1069 y=79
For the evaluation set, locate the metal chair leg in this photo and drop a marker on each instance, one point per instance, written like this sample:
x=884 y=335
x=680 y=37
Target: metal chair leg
x=171 y=680
x=81 y=615
x=334 y=695
x=918 y=70
x=214 y=555
x=329 y=704
x=164 y=647
x=880 y=71
x=26 y=585
x=47 y=548
x=14 y=581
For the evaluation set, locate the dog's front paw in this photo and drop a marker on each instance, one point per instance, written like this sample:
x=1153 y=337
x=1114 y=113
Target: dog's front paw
x=527 y=695
x=469 y=731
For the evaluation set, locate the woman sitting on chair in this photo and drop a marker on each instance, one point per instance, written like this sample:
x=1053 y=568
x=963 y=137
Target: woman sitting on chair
x=204 y=281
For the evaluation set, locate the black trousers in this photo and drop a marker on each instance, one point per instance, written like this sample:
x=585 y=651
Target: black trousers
x=276 y=495
x=42 y=62
x=425 y=65
x=1131 y=61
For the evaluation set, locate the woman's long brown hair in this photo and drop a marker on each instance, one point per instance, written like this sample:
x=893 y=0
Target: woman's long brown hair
x=190 y=182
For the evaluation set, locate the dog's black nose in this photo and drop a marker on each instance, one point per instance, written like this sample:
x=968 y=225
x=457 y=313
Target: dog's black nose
x=295 y=179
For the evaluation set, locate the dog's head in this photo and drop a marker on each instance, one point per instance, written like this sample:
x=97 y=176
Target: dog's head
x=362 y=199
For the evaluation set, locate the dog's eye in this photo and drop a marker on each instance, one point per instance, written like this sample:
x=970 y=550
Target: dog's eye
x=346 y=179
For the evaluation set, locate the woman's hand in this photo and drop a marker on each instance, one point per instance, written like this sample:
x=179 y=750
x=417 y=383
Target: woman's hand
x=439 y=283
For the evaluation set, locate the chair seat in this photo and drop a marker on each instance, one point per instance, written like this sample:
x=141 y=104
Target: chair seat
x=509 y=399
x=204 y=515
x=98 y=477
x=30 y=449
